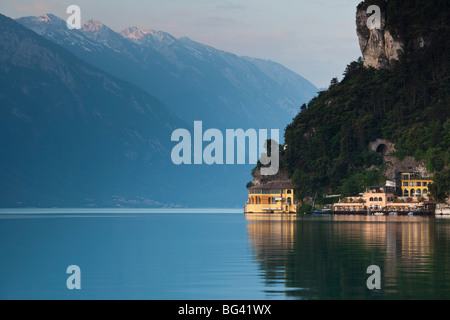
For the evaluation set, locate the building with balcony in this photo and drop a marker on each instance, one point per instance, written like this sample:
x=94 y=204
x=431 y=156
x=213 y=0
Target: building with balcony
x=414 y=186
x=382 y=198
x=272 y=197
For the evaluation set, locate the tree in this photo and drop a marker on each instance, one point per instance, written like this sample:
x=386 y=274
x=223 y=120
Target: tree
x=440 y=188
x=333 y=82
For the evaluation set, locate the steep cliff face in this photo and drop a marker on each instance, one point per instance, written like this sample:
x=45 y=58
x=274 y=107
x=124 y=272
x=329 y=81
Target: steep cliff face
x=380 y=47
x=405 y=27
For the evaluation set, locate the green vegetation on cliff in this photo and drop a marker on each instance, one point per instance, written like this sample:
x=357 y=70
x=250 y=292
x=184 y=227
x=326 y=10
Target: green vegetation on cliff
x=327 y=142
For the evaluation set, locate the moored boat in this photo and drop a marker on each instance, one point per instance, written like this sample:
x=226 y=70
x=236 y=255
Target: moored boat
x=318 y=212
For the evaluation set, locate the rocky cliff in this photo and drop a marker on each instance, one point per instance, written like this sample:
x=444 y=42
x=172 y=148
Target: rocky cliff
x=397 y=28
x=380 y=47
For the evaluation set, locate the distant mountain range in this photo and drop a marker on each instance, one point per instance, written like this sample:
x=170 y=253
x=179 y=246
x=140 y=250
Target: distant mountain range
x=70 y=132
x=196 y=81
x=87 y=115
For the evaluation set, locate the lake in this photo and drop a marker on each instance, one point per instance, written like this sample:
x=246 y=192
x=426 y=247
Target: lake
x=220 y=255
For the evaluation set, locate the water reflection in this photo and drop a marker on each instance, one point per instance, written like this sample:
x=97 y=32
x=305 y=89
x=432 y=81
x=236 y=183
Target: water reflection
x=326 y=257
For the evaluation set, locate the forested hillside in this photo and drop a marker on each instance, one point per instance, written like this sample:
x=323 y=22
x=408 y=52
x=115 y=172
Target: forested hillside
x=407 y=103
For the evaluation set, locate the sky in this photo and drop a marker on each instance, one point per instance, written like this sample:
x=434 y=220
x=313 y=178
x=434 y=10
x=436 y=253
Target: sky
x=314 y=38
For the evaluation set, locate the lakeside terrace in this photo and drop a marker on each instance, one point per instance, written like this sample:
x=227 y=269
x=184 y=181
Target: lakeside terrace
x=382 y=199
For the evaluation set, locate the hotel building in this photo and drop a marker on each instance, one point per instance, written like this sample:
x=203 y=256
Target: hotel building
x=272 y=197
x=413 y=186
x=382 y=198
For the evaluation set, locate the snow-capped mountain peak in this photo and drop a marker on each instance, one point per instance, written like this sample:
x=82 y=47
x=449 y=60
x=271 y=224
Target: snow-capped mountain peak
x=49 y=18
x=93 y=26
x=133 y=33
x=45 y=21
x=55 y=29
x=148 y=36
x=183 y=69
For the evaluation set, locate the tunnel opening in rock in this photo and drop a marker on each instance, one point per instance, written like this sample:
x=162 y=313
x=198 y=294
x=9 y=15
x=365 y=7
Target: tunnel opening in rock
x=382 y=149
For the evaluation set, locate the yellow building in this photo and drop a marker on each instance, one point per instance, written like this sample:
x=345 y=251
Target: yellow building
x=413 y=186
x=375 y=198
x=378 y=197
x=273 y=197
x=381 y=198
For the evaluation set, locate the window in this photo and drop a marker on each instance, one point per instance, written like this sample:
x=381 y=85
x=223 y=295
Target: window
x=266 y=191
x=380 y=199
x=406 y=177
x=419 y=193
x=425 y=192
x=371 y=199
x=412 y=184
x=413 y=192
x=425 y=184
x=406 y=184
x=276 y=191
x=289 y=192
x=406 y=193
x=419 y=184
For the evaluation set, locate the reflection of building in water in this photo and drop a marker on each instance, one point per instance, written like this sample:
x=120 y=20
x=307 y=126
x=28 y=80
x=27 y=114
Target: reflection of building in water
x=369 y=229
x=275 y=231
x=415 y=242
x=326 y=254
x=271 y=240
x=409 y=250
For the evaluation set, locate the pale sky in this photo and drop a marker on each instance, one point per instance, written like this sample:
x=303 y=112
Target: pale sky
x=315 y=38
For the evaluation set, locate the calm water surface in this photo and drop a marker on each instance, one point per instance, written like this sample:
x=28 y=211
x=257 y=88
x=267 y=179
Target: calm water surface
x=220 y=254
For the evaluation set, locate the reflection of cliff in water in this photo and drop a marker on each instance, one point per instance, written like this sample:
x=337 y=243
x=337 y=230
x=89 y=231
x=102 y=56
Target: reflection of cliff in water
x=326 y=257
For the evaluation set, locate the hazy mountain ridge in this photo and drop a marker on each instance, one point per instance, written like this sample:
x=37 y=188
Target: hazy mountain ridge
x=197 y=81
x=70 y=132
x=75 y=134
